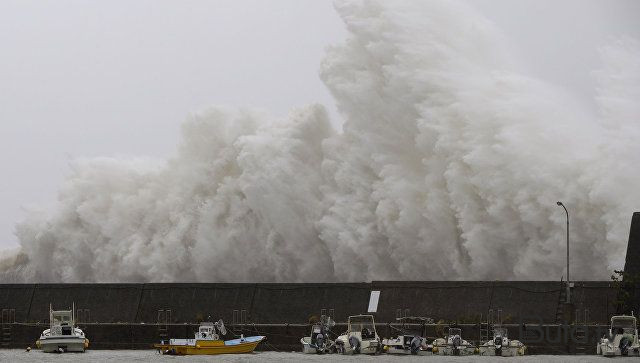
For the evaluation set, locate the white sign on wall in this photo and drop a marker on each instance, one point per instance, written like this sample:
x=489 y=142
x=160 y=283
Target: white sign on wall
x=373 y=301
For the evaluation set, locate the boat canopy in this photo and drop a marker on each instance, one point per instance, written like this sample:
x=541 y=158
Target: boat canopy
x=627 y=324
x=500 y=332
x=61 y=317
x=205 y=330
x=360 y=322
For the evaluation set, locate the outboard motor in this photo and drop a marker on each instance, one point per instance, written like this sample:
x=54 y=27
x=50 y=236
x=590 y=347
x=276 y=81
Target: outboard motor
x=456 y=344
x=416 y=342
x=625 y=343
x=318 y=338
x=355 y=344
x=367 y=334
x=497 y=344
x=320 y=343
x=314 y=335
x=221 y=328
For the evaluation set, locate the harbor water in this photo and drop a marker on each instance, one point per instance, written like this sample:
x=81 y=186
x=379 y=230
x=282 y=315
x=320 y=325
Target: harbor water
x=18 y=355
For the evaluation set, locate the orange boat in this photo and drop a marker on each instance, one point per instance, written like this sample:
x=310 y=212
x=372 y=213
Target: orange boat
x=208 y=342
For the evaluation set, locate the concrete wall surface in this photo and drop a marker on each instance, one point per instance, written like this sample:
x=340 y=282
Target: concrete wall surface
x=461 y=301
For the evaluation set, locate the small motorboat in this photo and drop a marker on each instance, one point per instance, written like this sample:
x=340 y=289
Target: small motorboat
x=453 y=344
x=500 y=345
x=319 y=342
x=207 y=342
x=361 y=336
x=622 y=339
x=409 y=342
x=62 y=336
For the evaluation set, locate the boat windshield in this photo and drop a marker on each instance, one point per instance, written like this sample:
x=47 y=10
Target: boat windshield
x=622 y=325
x=500 y=332
x=61 y=317
x=358 y=323
x=455 y=331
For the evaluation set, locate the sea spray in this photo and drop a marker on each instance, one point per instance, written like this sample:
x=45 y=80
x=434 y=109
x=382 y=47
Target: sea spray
x=448 y=166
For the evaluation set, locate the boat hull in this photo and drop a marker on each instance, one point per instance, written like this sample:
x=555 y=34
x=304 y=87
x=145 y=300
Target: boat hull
x=366 y=346
x=62 y=344
x=505 y=352
x=306 y=346
x=402 y=346
x=451 y=350
x=402 y=351
x=237 y=346
x=614 y=351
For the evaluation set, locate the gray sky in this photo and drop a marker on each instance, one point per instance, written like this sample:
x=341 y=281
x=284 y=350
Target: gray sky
x=83 y=79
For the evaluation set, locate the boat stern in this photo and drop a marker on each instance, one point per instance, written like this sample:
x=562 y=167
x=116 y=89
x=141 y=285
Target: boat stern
x=62 y=345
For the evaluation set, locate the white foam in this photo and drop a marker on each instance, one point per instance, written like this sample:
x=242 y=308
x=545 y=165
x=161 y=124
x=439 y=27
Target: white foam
x=448 y=167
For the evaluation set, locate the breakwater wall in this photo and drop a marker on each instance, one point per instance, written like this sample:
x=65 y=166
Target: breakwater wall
x=124 y=316
x=461 y=301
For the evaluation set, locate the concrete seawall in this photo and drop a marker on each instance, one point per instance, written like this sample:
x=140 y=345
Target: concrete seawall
x=519 y=301
x=124 y=316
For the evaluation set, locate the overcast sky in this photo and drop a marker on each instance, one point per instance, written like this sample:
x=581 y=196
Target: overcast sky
x=116 y=78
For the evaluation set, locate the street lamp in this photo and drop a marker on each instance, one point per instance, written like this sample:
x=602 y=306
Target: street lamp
x=568 y=283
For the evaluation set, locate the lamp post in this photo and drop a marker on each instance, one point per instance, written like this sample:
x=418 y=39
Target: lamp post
x=568 y=283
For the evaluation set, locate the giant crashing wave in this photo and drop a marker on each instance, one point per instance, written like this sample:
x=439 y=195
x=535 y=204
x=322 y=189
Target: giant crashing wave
x=448 y=166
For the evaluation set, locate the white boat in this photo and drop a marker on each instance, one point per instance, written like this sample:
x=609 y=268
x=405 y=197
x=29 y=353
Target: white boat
x=408 y=343
x=500 y=345
x=62 y=335
x=453 y=344
x=319 y=342
x=361 y=336
x=622 y=339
